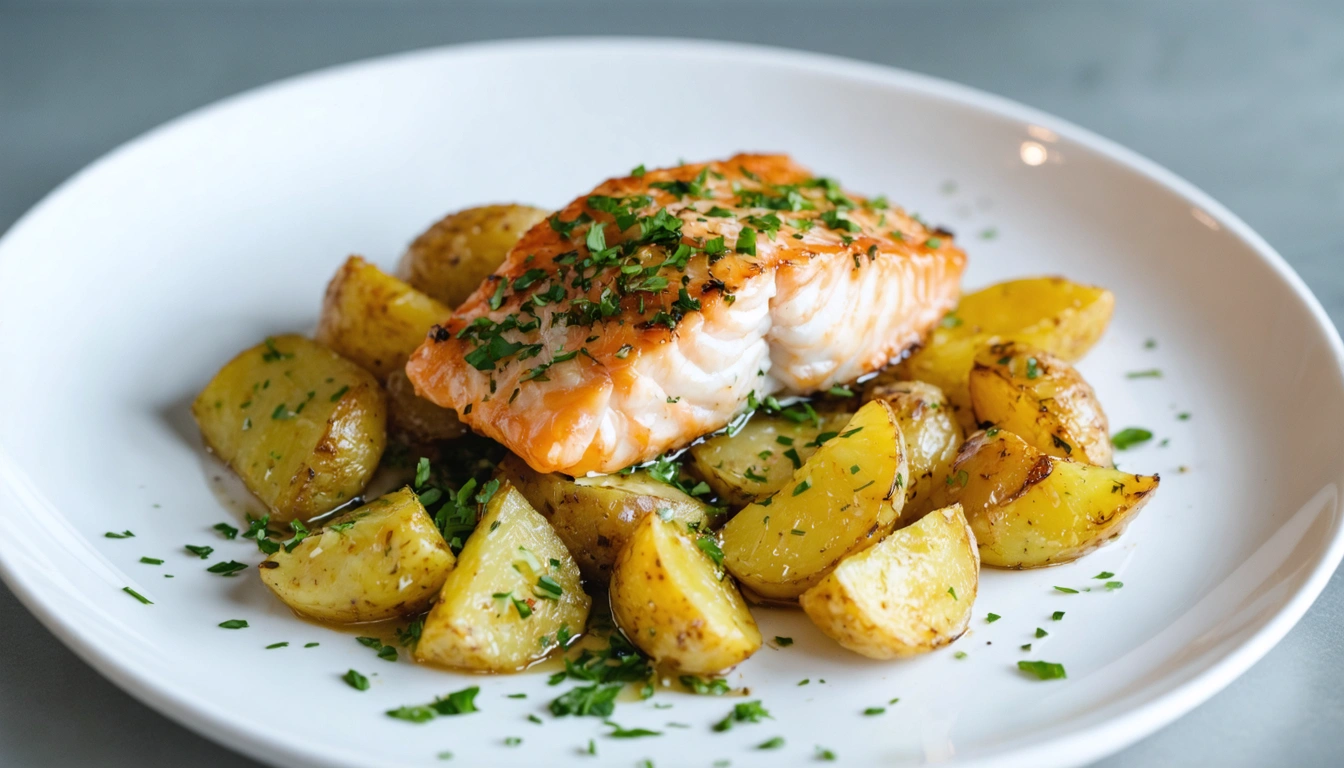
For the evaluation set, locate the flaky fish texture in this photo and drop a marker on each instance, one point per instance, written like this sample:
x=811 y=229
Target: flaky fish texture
x=653 y=310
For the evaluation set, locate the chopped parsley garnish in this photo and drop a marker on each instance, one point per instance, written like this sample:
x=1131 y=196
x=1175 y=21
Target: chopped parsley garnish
x=802 y=487
x=746 y=241
x=226 y=530
x=459 y=703
x=1033 y=368
x=201 y=552
x=151 y=561
x=548 y=588
x=1183 y=416
x=1114 y=585
x=1043 y=670
x=825 y=754
x=512 y=741
x=710 y=546
x=629 y=733
x=990 y=618
x=746 y=712
x=774 y=743
x=783 y=642
x=959 y=655
x=1057 y=615
x=1104 y=575
x=234 y=624
x=1151 y=373
x=1040 y=633
x=136 y=595
x=122 y=535
x=596 y=700
x=1130 y=437
x=839 y=391
x=281 y=644
x=385 y=652
x=338 y=394
x=875 y=711
x=356 y=680
x=961 y=478
x=1066 y=590
x=227 y=568
x=714 y=686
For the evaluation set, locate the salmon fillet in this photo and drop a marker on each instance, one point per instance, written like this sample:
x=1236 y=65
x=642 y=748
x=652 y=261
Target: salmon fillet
x=657 y=308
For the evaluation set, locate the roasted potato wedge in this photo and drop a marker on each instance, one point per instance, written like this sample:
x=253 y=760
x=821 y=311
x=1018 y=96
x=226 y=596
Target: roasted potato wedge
x=908 y=594
x=303 y=427
x=932 y=436
x=1060 y=316
x=379 y=561
x=451 y=258
x=847 y=496
x=759 y=459
x=1041 y=399
x=416 y=417
x=677 y=605
x=1030 y=509
x=511 y=599
x=595 y=516
x=374 y=319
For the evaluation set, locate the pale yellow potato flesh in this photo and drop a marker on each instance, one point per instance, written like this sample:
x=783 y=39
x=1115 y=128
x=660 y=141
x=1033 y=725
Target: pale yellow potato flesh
x=595 y=516
x=1043 y=400
x=303 y=427
x=1063 y=317
x=847 y=496
x=676 y=605
x=374 y=319
x=451 y=258
x=379 y=561
x=1029 y=509
x=932 y=435
x=475 y=624
x=908 y=594
x=759 y=459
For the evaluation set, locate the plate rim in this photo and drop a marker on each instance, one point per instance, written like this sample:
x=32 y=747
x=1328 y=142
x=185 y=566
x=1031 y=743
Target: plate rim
x=1085 y=744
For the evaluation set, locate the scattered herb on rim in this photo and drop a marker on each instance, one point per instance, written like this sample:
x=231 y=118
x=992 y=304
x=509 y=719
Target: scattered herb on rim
x=774 y=743
x=234 y=624
x=151 y=561
x=122 y=535
x=226 y=530
x=136 y=595
x=356 y=680
x=1130 y=437
x=990 y=618
x=1043 y=670
x=746 y=712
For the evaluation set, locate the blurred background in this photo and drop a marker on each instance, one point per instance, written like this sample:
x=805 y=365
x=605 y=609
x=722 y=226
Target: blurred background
x=1243 y=98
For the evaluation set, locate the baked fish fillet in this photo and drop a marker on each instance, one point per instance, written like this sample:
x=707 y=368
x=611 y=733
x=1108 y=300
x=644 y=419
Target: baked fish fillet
x=649 y=312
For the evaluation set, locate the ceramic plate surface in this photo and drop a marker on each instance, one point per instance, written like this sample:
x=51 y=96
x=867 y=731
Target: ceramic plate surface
x=127 y=288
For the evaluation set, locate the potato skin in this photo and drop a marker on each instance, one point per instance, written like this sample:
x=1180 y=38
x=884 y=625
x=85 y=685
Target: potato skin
x=379 y=561
x=908 y=594
x=1029 y=509
x=469 y=628
x=932 y=436
x=847 y=496
x=374 y=319
x=303 y=427
x=676 y=605
x=1043 y=400
x=752 y=463
x=417 y=418
x=595 y=516
x=451 y=258
x=1059 y=316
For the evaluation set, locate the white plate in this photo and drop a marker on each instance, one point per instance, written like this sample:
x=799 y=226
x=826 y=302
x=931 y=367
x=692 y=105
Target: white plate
x=124 y=290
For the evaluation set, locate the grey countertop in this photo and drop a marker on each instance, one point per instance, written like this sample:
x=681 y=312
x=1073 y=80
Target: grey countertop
x=1245 y=99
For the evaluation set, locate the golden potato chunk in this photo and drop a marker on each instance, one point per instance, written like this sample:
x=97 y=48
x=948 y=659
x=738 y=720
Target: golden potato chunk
x=1060 y=316
x=844 y=498
x=303 y=427
x=759 y=459
x=379 y=561
x=595 y=516
x=452 y=257
x=1042 y=399
x=374 y=319
x=417 y=418
x=512 y=598
x=672 y=600
x=908 y=594
x=932 y=436
x=1030 y=509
